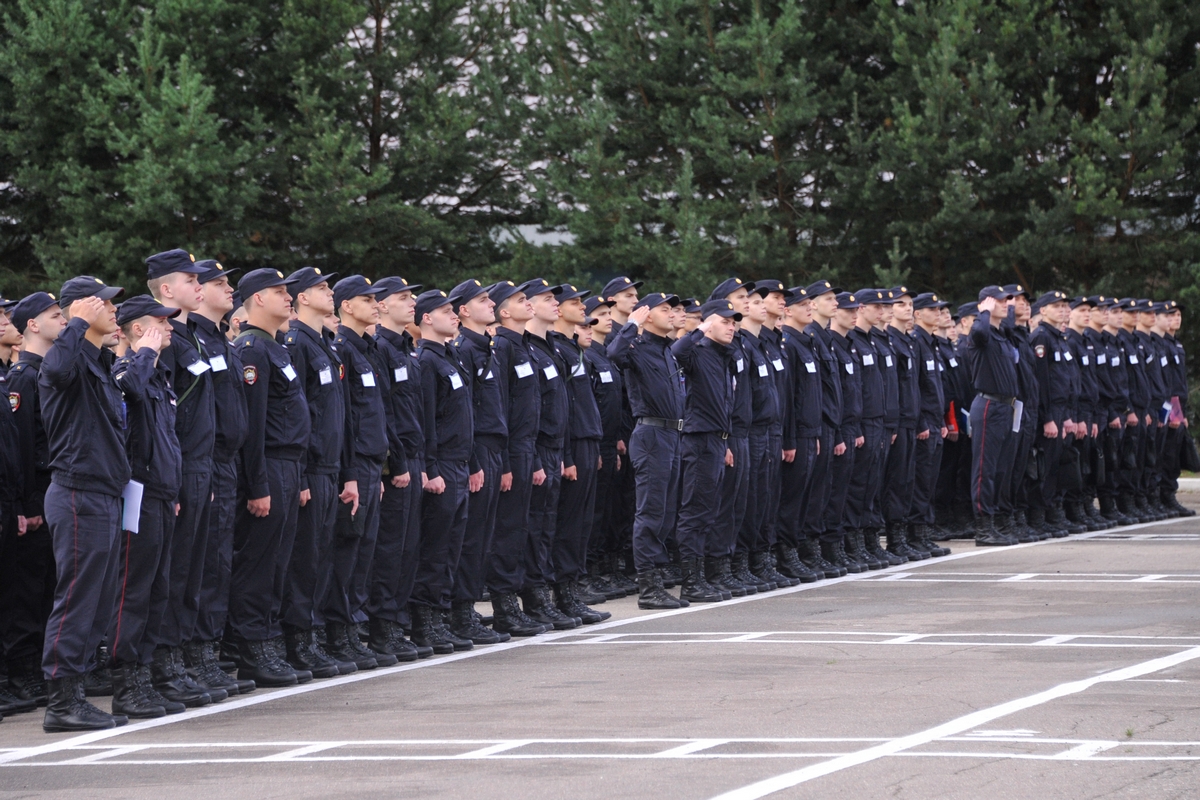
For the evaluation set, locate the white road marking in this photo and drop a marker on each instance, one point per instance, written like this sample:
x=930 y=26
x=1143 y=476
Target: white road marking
x=861 y=638
x=951 y=728
x=261 y=696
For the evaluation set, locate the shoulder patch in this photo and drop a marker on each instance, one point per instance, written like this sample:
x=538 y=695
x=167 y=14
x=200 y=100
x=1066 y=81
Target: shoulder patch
x=341 y=372
x=14 y=401
x=250 y=375
x=1040 y=349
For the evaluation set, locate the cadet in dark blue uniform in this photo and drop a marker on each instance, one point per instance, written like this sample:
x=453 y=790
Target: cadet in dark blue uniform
x=309 y=575
x=449 y=463
x=771 y=338
x=155 y=463
x=863 y=497
x=898 y=472
x=476 y=350
x=28 y=561
x=1178 y=387
x=520 y=466
x=887 y=356
x=993 y=362
x=1140 y=425
x=278 y=426
x=1014 y=494
x=1079 y=502
x=706 y=358
x=604 y=544
x=952 y=495
x=1058 y=381
x=399 y=542
x=801 y=438
x=172 y=278
x=849 y=361
x=823 y=305
x=361 y=475
x=931 y=425
x=1152 y=323
x=1114 y=402
x=656 y=396
x=581 y=460
x=84 y=417
x=200 y=654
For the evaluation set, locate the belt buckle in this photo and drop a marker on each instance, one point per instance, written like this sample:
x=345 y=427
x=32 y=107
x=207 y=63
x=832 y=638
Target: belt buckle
x=724 y=436
x=679 y=425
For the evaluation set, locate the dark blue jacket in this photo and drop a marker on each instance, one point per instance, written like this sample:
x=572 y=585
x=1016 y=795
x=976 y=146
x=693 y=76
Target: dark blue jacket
x=228 y=396
x=34 y=447
x=831 y=382
x=994 y=358
x=155 y=460
x=278 y=423
x=367 y=399
x=708 y=367
x=907 y=377
x=519 y=385
x=929 y=381
x=449 y=419
x=885 y=354
x=553 y=425
x=802 y=418
x=323 y=377
x=764 y=389
x=192 y=380
x=850 y=375
x=583 y=409
x=478 y=356
x=406 y=411
x=870 y=371
x=609 y=390
x=653 y=378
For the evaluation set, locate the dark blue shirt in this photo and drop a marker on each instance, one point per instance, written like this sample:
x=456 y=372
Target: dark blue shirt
x=584 y=412
x=652 y=376
x=993 y=359
x=831 y=382
x=24 y=402
x=1057 y=378
x=885 y=354
x=709 y=369
x=150 y=441
x=929 y=381
x=609 y=390
x=870 y=373
x=518 y=376
x=366 y=400
x=406 y=411
x=850 y=375
x=228 y=396
x=196 y=415
x=764 y=390
x=1027 y=386
x=478 y=357
x=907 y=377
x=556 y=404
x=802 y=418
x=1135 y=372
x=448 y=425
x=1083 y=354
x=278 y=423
x=322 y=376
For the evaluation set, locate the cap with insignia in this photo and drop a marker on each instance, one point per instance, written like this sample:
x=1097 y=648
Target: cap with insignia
x=968 y=310
x=143 y=305
x=165 y=263
x=30 y=307
x=211 y=269
x=797 y=294
x=431 y=301
x=995 y=292
x=1076 y=302
x=728 y=287
x=256 y=280
x=874 y=297
x=465 y=292
x=533 y=288
x=847 y=301
x=818 y=288
x=928 y=300
x=569 y=292
x=87 y=286
x=502 y=290
x=386 y=287
x=306 y=278
x=617 y=285
x=657 y=299
x=592 y=303
x=721 y=308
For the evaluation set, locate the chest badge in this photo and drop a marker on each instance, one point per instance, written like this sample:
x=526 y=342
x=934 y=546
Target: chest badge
x=250 y=375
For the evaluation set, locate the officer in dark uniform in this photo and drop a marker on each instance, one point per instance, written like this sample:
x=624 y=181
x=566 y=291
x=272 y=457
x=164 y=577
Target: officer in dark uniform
x=604 y=544
x=309 y=575
x=449 y=462
x=399 y=542
x=656 y=396
x=1178 y=387
x=898 y=472
x=931 y=426
x=84 y=417
x=361 y=475
x=200 y=654
x=886 y=357
x=993 y=362
x=476 y=350
x=1079 y=502
x=952 y=497
x=520 y=466
x=771 y=339
x=1014 y=493
x=1113 y=403
x=801 y=437
x=839 y=517
x=156 y=464
x=581 y=460
x=1139 y=425
x=278 y=426
x=863 y=497
x=10 y=337
x=706 y=358
x=1152 y=324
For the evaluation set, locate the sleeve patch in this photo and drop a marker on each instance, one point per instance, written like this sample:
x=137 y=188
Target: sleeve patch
x=1040 y=350
x=14 y=401
x=250 y=375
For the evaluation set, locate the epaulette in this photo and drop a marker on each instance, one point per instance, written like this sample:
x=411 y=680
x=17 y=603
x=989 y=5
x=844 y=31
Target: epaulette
x=290 y=338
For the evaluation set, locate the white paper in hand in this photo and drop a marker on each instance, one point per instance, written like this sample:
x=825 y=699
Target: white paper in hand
x=131 y=497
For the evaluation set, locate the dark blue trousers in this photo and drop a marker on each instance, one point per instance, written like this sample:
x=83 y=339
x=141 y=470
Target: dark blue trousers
x=310 y=569
x=510 y=541
x=735 y=490
x=189 y=546
x=26 y=587
x=354 y=546
x=758 y=479
x=576 y=505
x=218 y=557
x=1014 y=495
x=818 y=493
x=142 y=584
x=443 y=523
x=655 y=454
x=543 y=520
x=993 y=445
x=864 y=489
x=396 y=550
x=703 y=467
x=605 y=536
x=926 y=464
x=898 y=476
x=85 y=527
x=795 y=479
x=841 y=470
x=481 y=524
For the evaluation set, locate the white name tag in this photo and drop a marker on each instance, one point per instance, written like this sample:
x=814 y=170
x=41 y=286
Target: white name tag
x=1116 y=362
x=289 y=372
x=1162 y=362
x=954 y=362
x=326 y=375
x=489 y=376
x=868 y=360
x=1177 y=360
x=606 y=377
x=577 y=370
x=929 y=366
x=1133 y=360
x=910 y=362
x=850 y=368
x=779 y=363
x=762 y=371
x=811 y=366
x=199 y=368
x=455 y=381
x=1057 y=356
x=887 y=360
x=524 y=370
x=740 y=365
x=550 y=372
x=1068 y=355
x=218 y=363
x=1084 y=360
x=368 y=379
x=1102 y=359
x=400 y=374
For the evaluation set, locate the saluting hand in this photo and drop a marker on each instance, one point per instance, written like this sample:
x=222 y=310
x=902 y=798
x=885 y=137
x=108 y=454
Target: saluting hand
x=987 y=304
x=87 y=309
x=639 y=316
x=153 y=339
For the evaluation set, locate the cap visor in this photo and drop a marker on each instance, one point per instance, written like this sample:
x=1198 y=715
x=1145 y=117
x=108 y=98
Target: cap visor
x=110 y=293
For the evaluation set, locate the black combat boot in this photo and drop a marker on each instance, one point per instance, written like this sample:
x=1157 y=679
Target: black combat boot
x=141 y=674
x=507 y=617
x=69 y=710
x=566 y=598
x=720 y=574
x=854 y=555
x=173 y=683
x=129 y=699
x=652 y=595
x=539 y=606
x=897 y=542
x=464 y=624
x=388 y=637
x=1170 y=501
x=986 y=534
x=27 y=681
x=788 y=563
x=201 y=662
x=739 y=564
x=257 y=662
x=340 y=641
x=301 y=655
x=695 y=589
x=872 y=546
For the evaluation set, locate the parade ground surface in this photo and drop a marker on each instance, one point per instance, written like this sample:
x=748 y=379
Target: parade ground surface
x=1063 y=669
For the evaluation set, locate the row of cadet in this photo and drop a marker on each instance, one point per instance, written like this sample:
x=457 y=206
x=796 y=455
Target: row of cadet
x=206 y=490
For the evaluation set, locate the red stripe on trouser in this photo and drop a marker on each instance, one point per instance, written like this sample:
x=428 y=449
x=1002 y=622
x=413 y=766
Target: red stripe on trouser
x=71 y=587
x=982 y=442
x=124 y=586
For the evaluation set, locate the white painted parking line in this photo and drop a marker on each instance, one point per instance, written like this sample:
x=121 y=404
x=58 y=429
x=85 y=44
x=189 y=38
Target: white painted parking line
x=956 y=726
x=262 y=696
x=1038 y=577
x=994 y=639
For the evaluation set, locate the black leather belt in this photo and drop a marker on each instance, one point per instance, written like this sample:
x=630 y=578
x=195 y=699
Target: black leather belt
x=662 y=422
x=999 y=398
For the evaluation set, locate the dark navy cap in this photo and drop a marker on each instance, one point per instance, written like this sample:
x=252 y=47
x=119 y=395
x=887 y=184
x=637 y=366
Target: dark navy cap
x=501 y=291
x=537 y=286
x=1162 y=307
x=465 y=292
x=968 y=310
x=900 y=291
x=1145 y=305
x=928 y=300
x=874 y=297
x=1076 y=302
x=305 y=278
x=350 y=287
x=29 y=307
x=821 y=287
x=796 y=294
x=1103 y=300
x=1126 y=304
x=386 y=287
x=569 y=292
x=430 y=301
x=619 y=284
x=87 y=286
x=728 y=287
x=768 y=285
x=1050 y=297
x=256 y=280
x=592 y=303
x=847 y=301
x=722 y=308
x=212 y=269
x=161 y=264
x=143 y=305
x=691 y=305
x=657 y=299
x=995 y=292
x=5 y=305
x=1015 y=290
